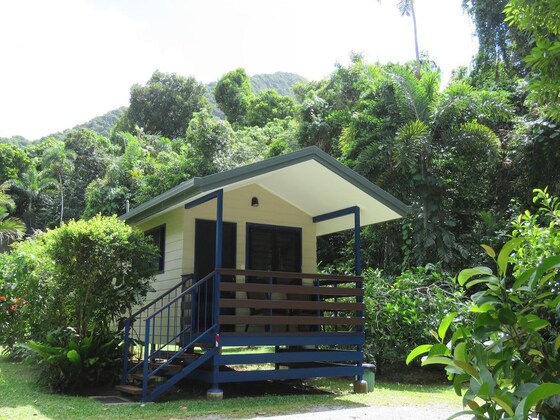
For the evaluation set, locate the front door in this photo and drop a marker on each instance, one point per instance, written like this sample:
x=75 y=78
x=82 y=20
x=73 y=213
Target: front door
x=273 y=248
x=205 y=261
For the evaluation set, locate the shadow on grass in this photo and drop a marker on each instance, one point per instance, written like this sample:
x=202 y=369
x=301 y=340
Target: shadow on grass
x=23 y=397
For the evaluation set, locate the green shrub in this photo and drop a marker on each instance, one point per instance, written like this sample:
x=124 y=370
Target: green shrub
x=83 y=277
x=70 y=362
x=402 y=311
x=509 y=356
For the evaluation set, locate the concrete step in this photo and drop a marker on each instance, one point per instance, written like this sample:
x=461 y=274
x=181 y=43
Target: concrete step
x=129 y=389
x=139 y=377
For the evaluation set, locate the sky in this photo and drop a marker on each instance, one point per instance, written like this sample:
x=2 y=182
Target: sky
x=64 y=62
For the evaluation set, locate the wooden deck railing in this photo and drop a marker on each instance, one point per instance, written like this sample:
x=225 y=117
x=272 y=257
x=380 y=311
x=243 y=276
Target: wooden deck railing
x=281 y=301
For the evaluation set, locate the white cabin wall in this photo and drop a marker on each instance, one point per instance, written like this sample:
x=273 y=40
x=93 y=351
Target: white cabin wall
x=272 y=210
x=173 y=264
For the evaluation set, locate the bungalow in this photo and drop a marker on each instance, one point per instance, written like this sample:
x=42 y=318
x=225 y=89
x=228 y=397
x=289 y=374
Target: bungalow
x=238 y=268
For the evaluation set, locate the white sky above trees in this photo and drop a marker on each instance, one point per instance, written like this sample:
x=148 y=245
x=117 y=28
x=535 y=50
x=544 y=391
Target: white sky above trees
x=64 y=62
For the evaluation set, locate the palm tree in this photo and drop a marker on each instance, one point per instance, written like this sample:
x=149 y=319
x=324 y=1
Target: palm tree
x=447 y=148
x=58 y=161
x=30 y=187
x=10 y=227
x=406 y=7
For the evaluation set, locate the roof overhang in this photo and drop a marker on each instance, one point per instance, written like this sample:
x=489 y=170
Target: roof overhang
x=309 y=179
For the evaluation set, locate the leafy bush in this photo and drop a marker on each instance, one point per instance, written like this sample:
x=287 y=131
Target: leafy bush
x=70 y=362
x=82 y=277
x=402 y=311
x=510 y=354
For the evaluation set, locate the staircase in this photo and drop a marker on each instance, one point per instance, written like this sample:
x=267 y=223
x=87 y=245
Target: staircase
x=160 y=339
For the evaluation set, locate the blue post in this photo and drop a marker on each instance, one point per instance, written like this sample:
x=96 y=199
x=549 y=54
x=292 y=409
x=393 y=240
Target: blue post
x=357 y=243
x=215 y=392
x=359 y=384
x=146 y=362
x=358 y=387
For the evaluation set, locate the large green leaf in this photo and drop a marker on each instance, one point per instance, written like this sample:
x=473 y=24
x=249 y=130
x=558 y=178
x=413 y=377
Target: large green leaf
x=439 y=360
x=503 y=256
x=468 y=273
x=506 y=405
x=424 y=348
x=489 y=250
x=486 y=279
x=542 y=392
x=548 y=264
x=445 y=323
x=460 y=352
x=73 y=356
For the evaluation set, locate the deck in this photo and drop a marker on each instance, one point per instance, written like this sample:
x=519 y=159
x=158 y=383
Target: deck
x=312 y=323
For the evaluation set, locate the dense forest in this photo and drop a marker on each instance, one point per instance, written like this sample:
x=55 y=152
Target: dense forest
x=467 y=157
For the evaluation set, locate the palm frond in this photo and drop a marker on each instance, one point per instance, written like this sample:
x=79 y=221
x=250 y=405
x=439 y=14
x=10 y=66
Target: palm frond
x=5 y=200
x=10 y=227
x=410 y=145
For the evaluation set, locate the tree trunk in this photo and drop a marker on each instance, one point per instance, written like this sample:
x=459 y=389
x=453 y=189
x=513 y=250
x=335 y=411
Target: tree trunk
x=413 y=14
x=61 y=200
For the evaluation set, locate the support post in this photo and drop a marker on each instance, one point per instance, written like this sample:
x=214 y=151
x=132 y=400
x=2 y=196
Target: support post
x=146 y=362
x=215 y=393
x=360 y=386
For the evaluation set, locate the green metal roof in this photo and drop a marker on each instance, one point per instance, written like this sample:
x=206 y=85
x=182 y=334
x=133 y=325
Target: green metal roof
x=303 y=178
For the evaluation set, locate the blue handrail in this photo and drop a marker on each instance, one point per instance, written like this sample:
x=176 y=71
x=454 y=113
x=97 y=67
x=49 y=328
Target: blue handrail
x=164 y=336
x=128 y=324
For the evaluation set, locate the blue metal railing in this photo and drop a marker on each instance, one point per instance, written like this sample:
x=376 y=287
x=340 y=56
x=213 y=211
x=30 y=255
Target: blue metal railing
x=133 y=345
x=172 y=324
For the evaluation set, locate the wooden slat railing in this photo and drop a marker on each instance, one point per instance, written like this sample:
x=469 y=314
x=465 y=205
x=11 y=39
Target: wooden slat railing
x=288 y=300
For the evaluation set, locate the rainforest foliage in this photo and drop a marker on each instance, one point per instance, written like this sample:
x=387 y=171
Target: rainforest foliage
x=466 y=155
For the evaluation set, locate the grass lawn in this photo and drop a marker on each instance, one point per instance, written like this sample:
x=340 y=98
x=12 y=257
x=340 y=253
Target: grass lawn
x=21 y=397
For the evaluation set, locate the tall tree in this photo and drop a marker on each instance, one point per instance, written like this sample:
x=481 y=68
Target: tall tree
x=164 y=106
x=92 y=156
x=58 y=162
x=501 y=47
x=541 y=21
x=268 y=106
x=233 y=94
x=10 y=227
x=406 y=7
x=209 y=140
x=13 y=161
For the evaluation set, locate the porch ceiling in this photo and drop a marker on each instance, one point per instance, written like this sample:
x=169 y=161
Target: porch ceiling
x=308 y=179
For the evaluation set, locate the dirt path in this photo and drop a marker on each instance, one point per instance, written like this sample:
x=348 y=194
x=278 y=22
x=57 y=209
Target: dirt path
x=373 y=412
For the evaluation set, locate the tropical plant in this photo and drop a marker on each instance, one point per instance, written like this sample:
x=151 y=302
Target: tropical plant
x=163 y=106
x=84 y=274
x=58 y=162
x=31 y=188
x=402 y=310
x=509 y=354
x=69 y=362
x=541 y=22
x=10 y=227
x=448 y=148
x=406 y=7
x=233 y=94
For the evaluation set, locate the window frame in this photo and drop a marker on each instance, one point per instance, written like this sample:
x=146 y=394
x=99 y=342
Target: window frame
x=159 y=231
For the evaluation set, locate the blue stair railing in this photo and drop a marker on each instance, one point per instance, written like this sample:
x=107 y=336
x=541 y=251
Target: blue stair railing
x=159 y=334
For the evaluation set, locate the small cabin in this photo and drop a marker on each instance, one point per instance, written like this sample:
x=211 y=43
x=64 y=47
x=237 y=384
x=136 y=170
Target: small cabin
x=238 y=269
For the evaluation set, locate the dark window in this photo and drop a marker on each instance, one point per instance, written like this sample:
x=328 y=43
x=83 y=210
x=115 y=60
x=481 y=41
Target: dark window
x=273 y=248
x=158 y=237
